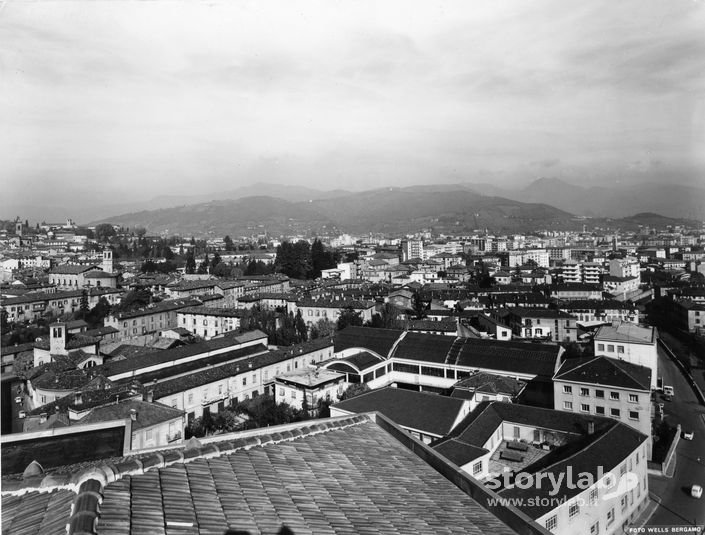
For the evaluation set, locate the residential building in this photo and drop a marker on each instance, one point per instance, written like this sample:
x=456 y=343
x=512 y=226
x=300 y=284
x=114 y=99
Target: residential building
x=208 y=322
x=631 y=343
x=411 y=249
x=541 y=323
x=605 y=386
x=309 y=387
x=70 y=277
x=499 y=440
x=151 y=319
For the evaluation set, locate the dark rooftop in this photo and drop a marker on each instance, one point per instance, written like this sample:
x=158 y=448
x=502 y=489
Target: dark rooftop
x=603 y=370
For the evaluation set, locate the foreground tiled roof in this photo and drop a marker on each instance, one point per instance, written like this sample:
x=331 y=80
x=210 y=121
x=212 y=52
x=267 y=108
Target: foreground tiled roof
x=328 y=476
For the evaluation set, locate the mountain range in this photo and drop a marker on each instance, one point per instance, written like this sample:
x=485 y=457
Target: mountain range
x=449 y=208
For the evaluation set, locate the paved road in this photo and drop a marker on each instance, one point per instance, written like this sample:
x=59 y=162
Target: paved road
x=678 y=508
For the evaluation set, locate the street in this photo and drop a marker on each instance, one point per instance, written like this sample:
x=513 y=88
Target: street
x=678 y=507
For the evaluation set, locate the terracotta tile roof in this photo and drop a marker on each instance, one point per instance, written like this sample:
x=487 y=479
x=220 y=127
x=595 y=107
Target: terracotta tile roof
x=323 y=476
x=37 y=512
x=72 y=270
x=148 y=414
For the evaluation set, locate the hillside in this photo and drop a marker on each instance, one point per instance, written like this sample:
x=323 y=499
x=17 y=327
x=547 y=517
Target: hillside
x=390 y=210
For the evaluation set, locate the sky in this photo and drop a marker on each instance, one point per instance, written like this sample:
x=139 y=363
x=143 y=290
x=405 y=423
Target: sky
x=120 y=100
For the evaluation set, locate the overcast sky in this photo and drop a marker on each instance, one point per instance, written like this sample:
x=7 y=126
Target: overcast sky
x=150 y=97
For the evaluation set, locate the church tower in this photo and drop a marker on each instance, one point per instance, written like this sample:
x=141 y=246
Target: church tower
x=108 y=261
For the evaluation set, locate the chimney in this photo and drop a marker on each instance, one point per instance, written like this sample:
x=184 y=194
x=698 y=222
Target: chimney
x=591 y=428
x=150 y=396
x=42 y=417
x=133 y=415
x=78 y=398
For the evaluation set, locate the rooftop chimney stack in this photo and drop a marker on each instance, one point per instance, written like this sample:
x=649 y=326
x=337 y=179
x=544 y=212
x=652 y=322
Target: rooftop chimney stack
x=133 y=415
x=78 y=398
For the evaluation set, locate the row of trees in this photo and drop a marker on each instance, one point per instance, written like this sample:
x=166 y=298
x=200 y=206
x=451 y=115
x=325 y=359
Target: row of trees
x=302 y=260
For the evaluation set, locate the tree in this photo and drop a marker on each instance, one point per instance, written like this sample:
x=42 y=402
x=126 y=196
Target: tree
x=214 y=263
x=135 y=299
x=349 y=316
x=222 y=270
x=320 y=259
x=103 y=232
x=98 y=313
x=83 y=306
x=203 y=267
x=294 y=259
x=322 y=328
x=228 y=243
x=354 y=390
x=190 y=263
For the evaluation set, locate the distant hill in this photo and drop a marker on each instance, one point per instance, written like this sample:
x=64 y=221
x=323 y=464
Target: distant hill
x=390 y=210
x=670 y=200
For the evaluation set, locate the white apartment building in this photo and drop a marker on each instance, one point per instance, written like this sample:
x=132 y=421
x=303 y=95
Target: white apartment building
x=606 y=386
x=631 y=343
x=209 y=322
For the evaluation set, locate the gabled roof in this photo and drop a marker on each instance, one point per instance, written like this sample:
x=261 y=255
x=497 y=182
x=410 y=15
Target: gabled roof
x=601 y=370
x=421 y=411
x=72 y=269
x=148 y=414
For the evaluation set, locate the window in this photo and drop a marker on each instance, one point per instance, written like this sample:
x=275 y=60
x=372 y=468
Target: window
x=190 y=397
x=610 y=516
x=610 y=348
x=615 y=413
x=584 y=391
x=585 y=407
x=614 y=396
x=551 y=522
x=599 y=393
x=567 y=389
x=517 y=432
x=568 y=405
x=281 y=392
x=600 y=347
x=244 y=381
x=595 y=528
x=293 y=394
x=622 y=470
x=593 y=496
x=633 y=398
x=148 y=434
x=599 y=410
x=477 y=468
x=573 y=510
x=620 y=349
x=633 y=415
x=623 y=502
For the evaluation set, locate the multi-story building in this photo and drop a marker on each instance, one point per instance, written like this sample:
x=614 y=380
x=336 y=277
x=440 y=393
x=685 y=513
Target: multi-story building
x=594 y=311
x=70 y=277
x=542 y=323
x=208 y=322
x=499 y=443
x=308 y=387
x=631 y=343
x=149 y=320
x=32 y=306
x=411 y=249
x=606 y=386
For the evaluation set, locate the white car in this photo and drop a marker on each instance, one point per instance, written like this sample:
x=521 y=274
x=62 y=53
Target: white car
x=696 y=491
x=22 y=414
x=688 y=435
x=18 y=400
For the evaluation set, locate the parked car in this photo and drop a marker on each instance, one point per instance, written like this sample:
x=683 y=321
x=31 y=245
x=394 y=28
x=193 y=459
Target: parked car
x=22 y=414
x=688 y=435
x=696 y=491
x=19 y=400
